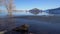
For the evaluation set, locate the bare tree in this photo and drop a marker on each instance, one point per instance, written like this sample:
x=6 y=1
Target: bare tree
x=8 y=4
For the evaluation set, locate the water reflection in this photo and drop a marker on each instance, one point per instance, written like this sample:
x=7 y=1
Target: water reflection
x=38 y=27
x=4 y=13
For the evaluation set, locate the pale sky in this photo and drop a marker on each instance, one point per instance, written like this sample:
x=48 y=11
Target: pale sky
x=40 y=4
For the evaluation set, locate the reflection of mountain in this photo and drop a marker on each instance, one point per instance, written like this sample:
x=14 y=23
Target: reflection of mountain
x=54 y=11
x=35 y=11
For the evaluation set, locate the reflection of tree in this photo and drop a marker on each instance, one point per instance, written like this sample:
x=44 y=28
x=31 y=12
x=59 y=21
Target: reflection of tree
x=35 y=11
x=0 y=12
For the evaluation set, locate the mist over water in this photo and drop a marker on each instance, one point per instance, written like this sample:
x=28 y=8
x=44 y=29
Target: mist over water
x=21 y=13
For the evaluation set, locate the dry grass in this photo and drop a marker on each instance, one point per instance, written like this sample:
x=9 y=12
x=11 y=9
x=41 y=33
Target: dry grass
x=2 y=32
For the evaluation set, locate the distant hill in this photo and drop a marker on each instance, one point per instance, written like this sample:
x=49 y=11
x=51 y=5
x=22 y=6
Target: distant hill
x=35 y=11
x=54 y=11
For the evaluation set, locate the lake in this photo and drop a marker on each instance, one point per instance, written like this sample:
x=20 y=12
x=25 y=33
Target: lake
x=38 y=24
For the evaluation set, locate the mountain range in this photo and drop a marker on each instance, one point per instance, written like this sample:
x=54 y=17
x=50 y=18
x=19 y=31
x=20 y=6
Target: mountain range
x=53 y=11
